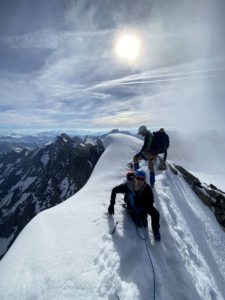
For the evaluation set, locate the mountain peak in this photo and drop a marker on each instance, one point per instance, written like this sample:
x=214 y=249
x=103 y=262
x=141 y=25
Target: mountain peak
x=114 y=131
x=64 y=138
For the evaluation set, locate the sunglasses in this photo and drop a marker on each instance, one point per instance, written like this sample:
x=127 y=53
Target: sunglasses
x=138 y=178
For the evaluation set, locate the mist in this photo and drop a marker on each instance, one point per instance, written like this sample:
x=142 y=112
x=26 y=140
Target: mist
x=200 y=153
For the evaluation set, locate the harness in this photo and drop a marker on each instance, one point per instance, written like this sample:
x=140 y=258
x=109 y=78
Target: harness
x=131 y=200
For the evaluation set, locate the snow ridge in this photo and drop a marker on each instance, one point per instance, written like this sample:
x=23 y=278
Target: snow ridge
x=67 y=252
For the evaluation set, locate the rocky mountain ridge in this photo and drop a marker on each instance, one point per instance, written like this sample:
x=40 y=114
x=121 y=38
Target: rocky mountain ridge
x=210 y=195
x=34 y=180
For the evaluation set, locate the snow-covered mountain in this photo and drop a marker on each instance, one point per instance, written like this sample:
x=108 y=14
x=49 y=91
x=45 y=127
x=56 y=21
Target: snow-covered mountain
x=16 y=142
x=67 y=252
x=32 y=181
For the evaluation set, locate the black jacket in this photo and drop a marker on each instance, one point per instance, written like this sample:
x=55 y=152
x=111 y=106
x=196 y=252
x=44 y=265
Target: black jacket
x=161 y=140
x=142 y=200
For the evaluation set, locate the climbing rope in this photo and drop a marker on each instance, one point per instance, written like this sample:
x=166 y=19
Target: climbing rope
x=117 y=297
x=149 y=255
x=148 y=251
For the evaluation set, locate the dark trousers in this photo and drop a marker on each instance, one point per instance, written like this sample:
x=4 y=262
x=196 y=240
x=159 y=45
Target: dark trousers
x=153 y=212
x=165 y=154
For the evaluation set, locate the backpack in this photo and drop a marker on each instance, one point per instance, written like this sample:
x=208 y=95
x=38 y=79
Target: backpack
x=160 y=142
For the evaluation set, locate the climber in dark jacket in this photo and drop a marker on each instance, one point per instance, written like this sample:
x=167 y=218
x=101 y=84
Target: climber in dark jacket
x=161 y=141
x=139 y=199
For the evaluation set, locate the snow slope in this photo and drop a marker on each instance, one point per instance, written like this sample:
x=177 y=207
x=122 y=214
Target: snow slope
x=67 y=252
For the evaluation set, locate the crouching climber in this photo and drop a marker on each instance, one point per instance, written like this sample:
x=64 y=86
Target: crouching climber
x=139 y=200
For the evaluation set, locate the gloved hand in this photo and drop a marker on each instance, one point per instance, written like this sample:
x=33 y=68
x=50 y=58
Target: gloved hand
x=111 y=209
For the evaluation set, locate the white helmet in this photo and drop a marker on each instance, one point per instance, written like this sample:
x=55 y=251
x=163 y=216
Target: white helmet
x=141 y=129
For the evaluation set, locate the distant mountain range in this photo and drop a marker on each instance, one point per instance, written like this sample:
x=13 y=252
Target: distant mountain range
x=34 y=180
x=17 y=143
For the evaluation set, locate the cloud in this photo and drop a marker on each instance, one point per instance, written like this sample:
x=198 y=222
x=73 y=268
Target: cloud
x=68 y=75
x=165 y=97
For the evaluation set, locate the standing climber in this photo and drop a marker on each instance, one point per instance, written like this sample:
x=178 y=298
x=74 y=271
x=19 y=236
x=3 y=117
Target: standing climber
x=161 y=141
x=147 y=152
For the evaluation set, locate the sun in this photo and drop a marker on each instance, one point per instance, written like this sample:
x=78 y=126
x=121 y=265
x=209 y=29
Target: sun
x=128 y=47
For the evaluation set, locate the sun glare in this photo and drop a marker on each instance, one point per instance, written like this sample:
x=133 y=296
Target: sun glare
x=128 y=47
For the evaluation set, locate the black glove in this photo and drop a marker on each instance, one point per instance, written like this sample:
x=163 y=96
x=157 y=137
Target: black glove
x=111 y=209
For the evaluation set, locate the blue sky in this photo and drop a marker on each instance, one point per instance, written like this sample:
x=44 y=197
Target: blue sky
x=58 y=67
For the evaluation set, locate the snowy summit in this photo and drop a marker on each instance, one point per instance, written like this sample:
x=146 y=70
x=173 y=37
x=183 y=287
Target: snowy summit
x=68 y=252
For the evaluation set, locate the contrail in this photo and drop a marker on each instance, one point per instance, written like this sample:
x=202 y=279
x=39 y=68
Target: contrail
x=156 y=79
x=198 y=74
x=134 y=80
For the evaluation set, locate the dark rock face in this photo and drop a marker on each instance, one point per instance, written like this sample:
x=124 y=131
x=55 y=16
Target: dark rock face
x=32 y=181
x=191 y=179
x=211 y=196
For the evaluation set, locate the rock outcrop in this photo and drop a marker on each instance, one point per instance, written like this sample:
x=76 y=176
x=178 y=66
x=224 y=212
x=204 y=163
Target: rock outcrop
x=210 y=195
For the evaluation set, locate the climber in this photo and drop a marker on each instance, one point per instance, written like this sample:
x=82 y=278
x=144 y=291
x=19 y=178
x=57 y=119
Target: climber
x=139 y=200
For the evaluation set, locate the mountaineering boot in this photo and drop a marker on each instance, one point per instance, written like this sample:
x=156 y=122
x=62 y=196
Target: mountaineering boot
x=157 y=235
x=136 y=166
x=152 y=179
